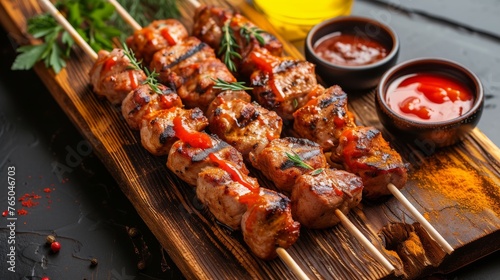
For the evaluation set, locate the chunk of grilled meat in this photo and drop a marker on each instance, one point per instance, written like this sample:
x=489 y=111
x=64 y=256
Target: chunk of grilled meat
x=246 y=126
x=191 y=69
x=366 y=153
x=223 y=196
x=208 y=26
x=316 y=196
x=324 y=118
x=268 y=224
x=142 y=102
x=275 y=163
x=158 y=134
x=281 y=84
x=187 y=52
x=224 y=97
x=111 y=76
x=157 y=35
x=186 y=161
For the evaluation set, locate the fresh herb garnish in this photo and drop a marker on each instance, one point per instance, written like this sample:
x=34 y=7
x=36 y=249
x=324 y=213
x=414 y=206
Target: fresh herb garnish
x=50 y=51
x=151 y=80
x=223 y=85
x=317 y=171
x=88 y=17
x=228 y=46
x=248 y=32
x=297 y=161
x=144 y=12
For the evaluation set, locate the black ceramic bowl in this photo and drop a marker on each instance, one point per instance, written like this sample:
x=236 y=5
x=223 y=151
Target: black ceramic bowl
x=353 y=77
x=430 y=135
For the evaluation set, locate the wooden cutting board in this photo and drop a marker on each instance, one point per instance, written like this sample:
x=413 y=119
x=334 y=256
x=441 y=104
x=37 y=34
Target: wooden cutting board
x=467 y=214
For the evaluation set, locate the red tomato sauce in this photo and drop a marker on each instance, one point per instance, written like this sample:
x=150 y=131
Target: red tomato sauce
x=429 y=97
x=195 y=139
x=349 y=50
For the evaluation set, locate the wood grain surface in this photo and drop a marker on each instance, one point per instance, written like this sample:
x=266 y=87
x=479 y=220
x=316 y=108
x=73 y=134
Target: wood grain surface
x=202 y=248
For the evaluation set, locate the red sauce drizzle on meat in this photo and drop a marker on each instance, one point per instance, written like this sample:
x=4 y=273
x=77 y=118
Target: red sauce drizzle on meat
x=236 y=176
x=195 y=139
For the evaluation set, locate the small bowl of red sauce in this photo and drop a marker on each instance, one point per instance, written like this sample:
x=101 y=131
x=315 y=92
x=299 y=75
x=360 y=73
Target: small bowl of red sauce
x=430 y=101
x=353 y=52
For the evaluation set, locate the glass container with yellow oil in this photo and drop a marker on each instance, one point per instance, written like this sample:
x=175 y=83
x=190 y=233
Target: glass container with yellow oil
x=294 y=18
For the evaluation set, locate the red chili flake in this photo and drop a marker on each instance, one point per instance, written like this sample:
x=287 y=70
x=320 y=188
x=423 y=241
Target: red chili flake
x=29 y=203
x=22 y=212
x=47 y=190
x=26 y=195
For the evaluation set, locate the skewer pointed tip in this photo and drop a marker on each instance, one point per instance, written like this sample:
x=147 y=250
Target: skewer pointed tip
x=427 y=226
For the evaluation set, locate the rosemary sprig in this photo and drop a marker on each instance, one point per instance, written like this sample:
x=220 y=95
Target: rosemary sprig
x=151 y=80
x=317 y=171
x=223 y=85
x=297 y=161
x=229 y=46
x=247 y=32
x=129 y=53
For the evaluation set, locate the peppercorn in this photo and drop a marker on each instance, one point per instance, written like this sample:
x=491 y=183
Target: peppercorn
x=141 y=265
x=50 y=239
x=133 y=232
x=93 y=262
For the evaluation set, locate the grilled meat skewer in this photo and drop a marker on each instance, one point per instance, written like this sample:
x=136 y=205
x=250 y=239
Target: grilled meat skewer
x=363 y=151
x=158 y=35
x=111 y=76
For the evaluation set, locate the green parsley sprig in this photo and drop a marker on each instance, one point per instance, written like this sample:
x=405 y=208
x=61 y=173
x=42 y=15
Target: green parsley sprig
x=50 y=51
x=88 y=17
x=223 y=85
x=228 y=46
x=151 y=77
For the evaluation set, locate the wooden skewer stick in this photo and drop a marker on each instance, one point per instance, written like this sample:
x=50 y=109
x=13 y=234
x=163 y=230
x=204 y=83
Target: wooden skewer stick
x=290 y=262
x=366 y=243
x=428 y=227
x=49 y=7
x=125 y=15
x=195 y=3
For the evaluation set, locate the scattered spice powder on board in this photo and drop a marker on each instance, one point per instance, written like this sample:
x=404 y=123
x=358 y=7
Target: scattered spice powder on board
x=413 y=245
x=22 y=212
x=465 y=186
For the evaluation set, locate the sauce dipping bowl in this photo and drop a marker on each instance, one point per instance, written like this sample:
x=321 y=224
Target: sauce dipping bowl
x=430 y=134
x=352 y=77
